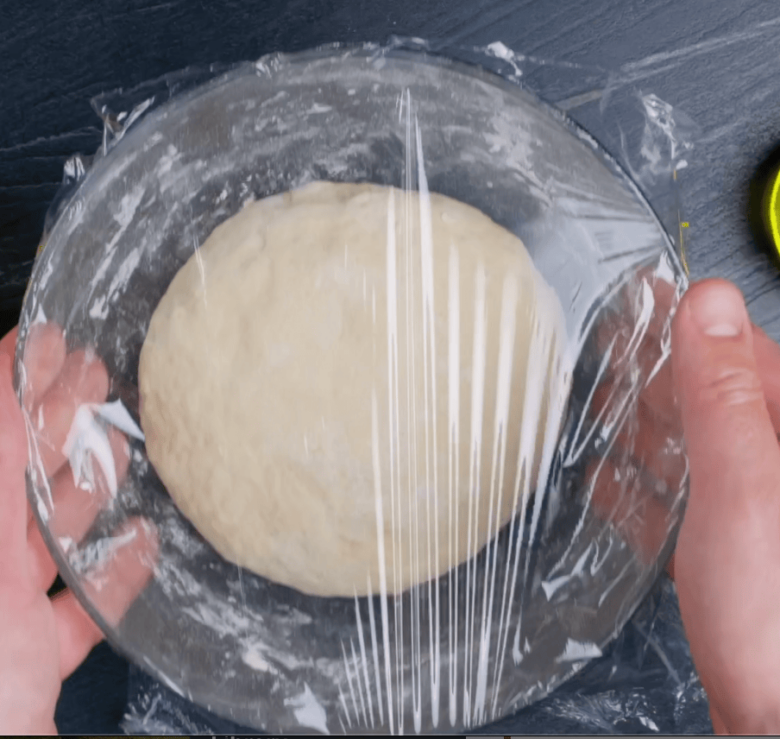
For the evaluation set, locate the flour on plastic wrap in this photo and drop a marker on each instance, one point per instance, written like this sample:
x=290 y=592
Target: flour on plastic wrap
x=93 y=556
x=124 y=217
x=551 y=586
x=662 y=139
x=260 y=656
x=254 y=658
x=165 y=680
x=308 y=710
x=153 y=140
x=44 y=278
x=40 y=316
x=167 y=160
x=576 y=651
x=75 y=212
x=100 y=308
x=117 y=415
x=87 y=442
x=127 y=207
x=500 y=50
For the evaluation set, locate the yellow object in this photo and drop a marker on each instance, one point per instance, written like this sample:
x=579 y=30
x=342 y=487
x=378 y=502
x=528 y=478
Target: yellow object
x=681 y=240
x=773 y=211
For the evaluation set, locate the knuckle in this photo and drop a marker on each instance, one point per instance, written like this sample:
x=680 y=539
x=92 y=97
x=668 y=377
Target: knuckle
x=732 y=386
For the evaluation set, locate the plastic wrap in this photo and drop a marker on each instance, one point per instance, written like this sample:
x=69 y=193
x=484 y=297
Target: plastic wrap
x=596 y=498
x=645 y=683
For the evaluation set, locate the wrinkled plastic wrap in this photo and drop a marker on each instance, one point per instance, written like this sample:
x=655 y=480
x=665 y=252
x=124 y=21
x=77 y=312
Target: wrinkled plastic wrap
x=645 y=683
x=596 y=498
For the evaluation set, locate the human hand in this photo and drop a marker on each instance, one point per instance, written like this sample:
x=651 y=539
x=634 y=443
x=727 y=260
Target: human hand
x=727 y=561
x=635 y=484
x=723 y=394
x=42 y=641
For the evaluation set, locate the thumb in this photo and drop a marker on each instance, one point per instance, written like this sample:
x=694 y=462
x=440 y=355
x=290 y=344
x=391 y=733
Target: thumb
x=13 y=459
x=727 y=563
x=728 y=431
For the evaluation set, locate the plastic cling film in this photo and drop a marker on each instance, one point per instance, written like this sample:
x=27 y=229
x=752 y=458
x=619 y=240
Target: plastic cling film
x=364 y=348
x=645 y=683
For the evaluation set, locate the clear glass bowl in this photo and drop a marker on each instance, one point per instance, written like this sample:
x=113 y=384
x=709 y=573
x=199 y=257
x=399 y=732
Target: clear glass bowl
x=598 y=533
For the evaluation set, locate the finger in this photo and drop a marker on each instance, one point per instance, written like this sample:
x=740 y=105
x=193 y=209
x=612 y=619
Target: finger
x=659 y=420
x=730 y=438
x=44 y=357
x=645 y=357
x=656 y=448
x=659 y=396
x=645 y=436
x=44 y=354
x=625 y=333
x=76 y=505
x=77 y=501
x=77 y=633
x=620 y=498
x=632 y=348
x=8 y=342
x=13 y=460
x=646 y=363
x=767 y=354
x=646 y=301
x=8 y=347
x=83 y=379
x=41 y=566
x=727 y=565
x=112 y=588
x=719 y=727
x=663 y=297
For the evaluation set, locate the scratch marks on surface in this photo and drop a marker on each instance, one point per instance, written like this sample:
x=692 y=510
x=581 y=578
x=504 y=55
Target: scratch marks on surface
x=686 y=52
x=660 y=62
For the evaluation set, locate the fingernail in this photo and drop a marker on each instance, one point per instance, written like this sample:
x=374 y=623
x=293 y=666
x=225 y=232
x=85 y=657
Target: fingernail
x=719 y=310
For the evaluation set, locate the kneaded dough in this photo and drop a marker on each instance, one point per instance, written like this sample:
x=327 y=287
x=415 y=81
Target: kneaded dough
x=321 y=428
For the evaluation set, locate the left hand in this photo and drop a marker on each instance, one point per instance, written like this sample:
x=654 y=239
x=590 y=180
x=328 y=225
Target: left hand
x=43 y=640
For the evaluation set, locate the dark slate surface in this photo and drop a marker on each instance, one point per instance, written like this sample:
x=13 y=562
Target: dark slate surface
x=714 y=60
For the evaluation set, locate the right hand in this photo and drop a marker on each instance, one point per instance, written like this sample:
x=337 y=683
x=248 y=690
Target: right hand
x=727 y=561
x=722 y=393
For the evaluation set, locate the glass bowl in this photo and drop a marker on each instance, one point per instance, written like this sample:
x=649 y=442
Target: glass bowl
x=603 y=518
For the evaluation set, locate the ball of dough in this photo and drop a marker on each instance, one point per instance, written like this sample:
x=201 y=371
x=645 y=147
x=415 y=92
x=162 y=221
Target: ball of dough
x=333 y=385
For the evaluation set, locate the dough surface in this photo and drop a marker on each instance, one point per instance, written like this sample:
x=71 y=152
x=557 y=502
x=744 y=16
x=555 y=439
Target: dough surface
x=315 y=416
